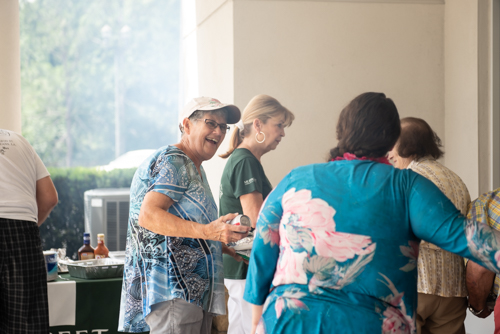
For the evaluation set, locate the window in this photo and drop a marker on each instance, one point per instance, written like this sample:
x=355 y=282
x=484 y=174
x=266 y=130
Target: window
x=98 y=77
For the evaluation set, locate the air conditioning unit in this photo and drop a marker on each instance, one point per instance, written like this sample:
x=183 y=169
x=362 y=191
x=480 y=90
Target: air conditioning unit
x=106 y=211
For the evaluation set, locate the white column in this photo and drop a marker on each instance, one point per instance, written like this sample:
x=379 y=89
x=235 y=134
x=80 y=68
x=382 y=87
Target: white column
x=10 y=66
x=212 y=42
x=461 y=94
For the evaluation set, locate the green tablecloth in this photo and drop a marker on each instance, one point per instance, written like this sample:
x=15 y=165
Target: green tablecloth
x=97 y=306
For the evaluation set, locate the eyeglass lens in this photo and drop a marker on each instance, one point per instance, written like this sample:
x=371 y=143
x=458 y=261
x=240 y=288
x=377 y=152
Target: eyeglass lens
x=213 y=124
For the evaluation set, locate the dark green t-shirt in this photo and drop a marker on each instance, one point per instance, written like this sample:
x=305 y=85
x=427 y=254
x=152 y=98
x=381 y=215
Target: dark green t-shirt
x=242 y=175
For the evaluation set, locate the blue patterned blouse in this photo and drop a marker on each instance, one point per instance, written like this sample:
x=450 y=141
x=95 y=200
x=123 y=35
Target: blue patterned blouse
x=337 y=245
x=159 y=268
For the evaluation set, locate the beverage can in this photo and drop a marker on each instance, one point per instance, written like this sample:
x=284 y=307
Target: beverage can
x=240 y=220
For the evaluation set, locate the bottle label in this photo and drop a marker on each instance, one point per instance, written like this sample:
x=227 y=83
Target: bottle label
x=87 y=256
x=100 y=256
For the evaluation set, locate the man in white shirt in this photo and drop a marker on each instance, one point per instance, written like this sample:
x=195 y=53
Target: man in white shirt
x=27 y=195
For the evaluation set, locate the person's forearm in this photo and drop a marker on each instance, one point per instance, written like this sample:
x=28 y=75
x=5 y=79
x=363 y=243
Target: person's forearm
x=43 y=213
x=232 y=252
x=256 y=315
x=253 y=218
x=162 y=222
x=251 y=204
x=154 y=216
x=159 y=221
x=227 y=250
x=479 y=281
x=46 y=198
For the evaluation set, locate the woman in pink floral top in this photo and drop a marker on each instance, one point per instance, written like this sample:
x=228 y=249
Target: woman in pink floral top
x=337 y=243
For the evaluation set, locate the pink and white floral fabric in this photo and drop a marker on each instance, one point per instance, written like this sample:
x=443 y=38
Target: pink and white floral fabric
x=336 y=248
x=310 y=244
x=395 y=319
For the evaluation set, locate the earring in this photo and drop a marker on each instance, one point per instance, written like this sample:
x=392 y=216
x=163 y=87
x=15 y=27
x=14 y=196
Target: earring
x=260 y=142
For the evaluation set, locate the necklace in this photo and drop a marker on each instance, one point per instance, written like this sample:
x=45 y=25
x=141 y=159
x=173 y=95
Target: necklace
x=350 y=156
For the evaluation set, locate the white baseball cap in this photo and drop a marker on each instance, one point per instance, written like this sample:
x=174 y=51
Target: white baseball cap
x=209 y=103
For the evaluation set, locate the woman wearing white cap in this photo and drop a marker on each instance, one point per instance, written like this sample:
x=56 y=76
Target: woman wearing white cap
x=244 y=186
x=173 y=279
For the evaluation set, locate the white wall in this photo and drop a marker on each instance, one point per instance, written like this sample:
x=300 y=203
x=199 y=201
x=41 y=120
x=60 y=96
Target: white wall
x=10 y=66
x=475 y=325
x=315 y=56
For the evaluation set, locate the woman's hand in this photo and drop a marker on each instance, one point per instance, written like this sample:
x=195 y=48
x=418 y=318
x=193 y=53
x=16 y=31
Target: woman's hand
x=232 y=252
x=218 y=230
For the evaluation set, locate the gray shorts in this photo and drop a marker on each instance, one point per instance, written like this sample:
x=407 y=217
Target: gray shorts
x=178 y=317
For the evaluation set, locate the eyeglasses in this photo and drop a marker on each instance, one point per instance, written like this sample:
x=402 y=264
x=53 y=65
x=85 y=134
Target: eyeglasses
x=213 y=125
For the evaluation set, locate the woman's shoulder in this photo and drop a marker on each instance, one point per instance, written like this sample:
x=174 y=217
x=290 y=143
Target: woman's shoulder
x=167 y=155
x=242 y=153
x=307 y=168
x=171 y=152
x=335 y=166
x=431 y=168
x=241 y=156
x=307 y=172
x=342 y=170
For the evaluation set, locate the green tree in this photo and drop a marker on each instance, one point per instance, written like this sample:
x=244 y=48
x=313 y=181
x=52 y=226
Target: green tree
x=69 y=72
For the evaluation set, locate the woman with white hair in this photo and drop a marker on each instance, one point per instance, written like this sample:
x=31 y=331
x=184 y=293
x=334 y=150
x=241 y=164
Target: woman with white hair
x=244 y=186
x=173 y=280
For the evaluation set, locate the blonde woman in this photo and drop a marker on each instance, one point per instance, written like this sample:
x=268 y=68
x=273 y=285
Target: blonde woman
x=244 y=186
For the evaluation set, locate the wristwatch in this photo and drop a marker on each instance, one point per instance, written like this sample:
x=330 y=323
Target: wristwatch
x=490 y=304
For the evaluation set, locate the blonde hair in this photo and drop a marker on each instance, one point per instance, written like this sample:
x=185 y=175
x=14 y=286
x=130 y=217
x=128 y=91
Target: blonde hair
x=262 y=107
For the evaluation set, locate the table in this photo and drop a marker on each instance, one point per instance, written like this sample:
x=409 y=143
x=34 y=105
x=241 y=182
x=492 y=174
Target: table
x=97 y=305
